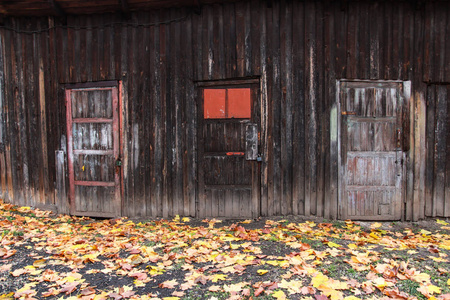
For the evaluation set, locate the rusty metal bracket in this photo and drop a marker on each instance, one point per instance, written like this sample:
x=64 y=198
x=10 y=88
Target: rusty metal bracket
x=349 y=113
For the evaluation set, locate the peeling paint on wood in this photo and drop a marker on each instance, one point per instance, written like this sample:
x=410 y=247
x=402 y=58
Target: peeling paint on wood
x=297 y=50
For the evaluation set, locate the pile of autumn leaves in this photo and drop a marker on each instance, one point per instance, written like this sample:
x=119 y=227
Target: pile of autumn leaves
x=213 y=259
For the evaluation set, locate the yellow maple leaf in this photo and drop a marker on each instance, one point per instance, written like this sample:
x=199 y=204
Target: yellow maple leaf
x=7 y=296
x=280 y=295
x=218 y=277
x=376 y=225
x=425 y=232
x=442 y=222
x=438 y=259
x=380 y=283
x=235 y=288
x=352 y=246
x=262 y=272
x=138 y=283
x=331 y=244
x=294 y=286
x=337 y=285
x=185 y=220
x=374 y=235
x=433 y=289
x=448 y=282
x=234 y=246
x=319 y=279
x=421 y=277
x=171 y=298
x=246 y=222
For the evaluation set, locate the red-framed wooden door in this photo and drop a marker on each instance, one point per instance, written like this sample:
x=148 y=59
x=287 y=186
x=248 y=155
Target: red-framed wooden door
x=228 y=140
x=93 y=134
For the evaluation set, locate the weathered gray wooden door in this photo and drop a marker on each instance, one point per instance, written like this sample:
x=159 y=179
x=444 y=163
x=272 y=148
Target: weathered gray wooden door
x=371 y=156
x=228 y=173
x=93 y=149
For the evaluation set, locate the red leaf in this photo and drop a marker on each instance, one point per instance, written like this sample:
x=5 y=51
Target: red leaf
x=115 y=296
x=68 y=288
x=259 y=291
x=88 y=291
x=128 y=294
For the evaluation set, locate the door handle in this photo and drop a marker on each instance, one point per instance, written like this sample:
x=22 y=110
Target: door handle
x=399 y=138
x=251 y=141
x=118 y=162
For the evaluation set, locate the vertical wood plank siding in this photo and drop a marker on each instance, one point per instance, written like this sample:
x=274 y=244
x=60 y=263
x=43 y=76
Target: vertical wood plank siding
x=298 y=49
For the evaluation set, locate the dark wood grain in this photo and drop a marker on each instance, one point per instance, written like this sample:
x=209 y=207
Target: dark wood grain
x=294 y=51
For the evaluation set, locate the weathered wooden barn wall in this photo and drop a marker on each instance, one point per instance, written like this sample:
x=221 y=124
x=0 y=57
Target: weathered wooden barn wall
x=298 y=49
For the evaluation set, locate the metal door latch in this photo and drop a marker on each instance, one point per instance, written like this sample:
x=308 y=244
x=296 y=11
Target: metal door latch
x=399 y=138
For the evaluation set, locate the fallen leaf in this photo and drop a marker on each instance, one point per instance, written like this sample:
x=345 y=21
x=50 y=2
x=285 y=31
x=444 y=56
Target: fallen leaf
x=376 y=225
x=280 y=295
x=262 y=272
x=217 y=277
x=168 y=284
x=50 y=292
x=442 y=222
x=18 y=272
x=334 y=245
x=214 y=288
x=319 y=279
x=69 y=288
x=425 y=232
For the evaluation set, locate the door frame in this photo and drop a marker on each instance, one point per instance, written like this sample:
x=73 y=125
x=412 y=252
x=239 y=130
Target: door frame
x=117 y=88
x=257 y=170
x=406 y=146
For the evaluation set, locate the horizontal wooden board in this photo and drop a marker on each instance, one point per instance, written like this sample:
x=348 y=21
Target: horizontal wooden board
x=295 y=51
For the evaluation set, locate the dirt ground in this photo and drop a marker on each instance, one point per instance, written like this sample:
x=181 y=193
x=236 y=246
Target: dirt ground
x=47 y=256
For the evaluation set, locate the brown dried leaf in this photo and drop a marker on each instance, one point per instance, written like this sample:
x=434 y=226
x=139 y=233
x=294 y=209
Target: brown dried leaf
x=69 y=288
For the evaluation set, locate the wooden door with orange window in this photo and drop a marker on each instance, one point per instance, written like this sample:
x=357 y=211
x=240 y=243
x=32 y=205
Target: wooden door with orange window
x=228 y=140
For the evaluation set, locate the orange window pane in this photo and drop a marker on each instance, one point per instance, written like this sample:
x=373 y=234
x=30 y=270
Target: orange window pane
x=239 y=105
x=214 y=104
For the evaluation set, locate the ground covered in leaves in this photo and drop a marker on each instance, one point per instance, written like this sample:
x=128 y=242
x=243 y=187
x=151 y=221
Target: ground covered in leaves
x=46 y=256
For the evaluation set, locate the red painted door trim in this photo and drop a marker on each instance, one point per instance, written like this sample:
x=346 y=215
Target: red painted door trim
x=116 y=149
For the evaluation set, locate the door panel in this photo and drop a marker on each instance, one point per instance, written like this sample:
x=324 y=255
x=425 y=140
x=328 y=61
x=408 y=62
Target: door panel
x=228 y=183
x=371 y=157
x=93 y=147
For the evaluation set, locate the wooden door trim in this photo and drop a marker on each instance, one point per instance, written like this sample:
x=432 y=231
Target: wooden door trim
x=116 y=89
x=336 y=137
x=257 y=107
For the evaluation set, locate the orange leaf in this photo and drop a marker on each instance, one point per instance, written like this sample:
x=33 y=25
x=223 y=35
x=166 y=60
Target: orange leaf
x=259 y=291
x=51 y=292
x=168 y=284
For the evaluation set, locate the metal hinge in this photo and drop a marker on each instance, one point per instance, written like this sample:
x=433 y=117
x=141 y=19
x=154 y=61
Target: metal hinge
x=344 y=113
